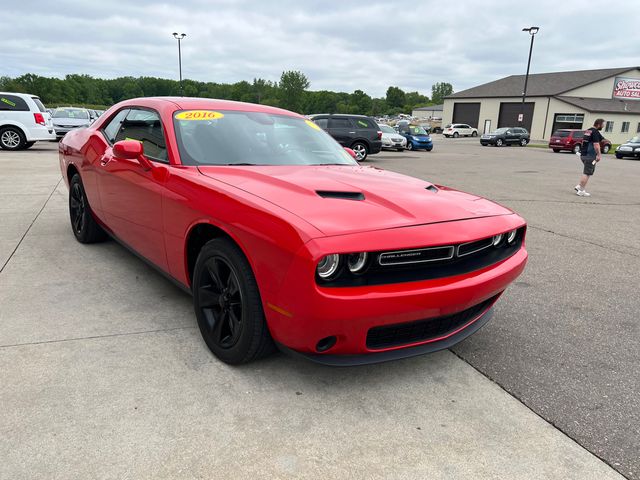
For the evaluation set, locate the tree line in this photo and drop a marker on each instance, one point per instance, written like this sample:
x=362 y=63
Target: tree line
x=291 y=92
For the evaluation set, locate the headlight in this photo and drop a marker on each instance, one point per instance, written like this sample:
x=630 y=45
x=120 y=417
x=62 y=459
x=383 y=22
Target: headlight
x=328 y=266
x=511 y=236
x=497 y=239
x=638 y=149
x=357 y=261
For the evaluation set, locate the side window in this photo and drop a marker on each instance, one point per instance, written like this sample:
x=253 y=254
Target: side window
x=146 y=127
x=39 y=104
x=322 y=122
x=111 y=129
x=340 y=123
x=13 y=103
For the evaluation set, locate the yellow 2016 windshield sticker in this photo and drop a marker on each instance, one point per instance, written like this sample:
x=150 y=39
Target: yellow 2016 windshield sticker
x=199 y=115
x=312 y=125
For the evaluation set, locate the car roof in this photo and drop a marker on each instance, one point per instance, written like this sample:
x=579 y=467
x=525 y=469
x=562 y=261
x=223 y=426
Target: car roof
x=24 y=95
x=195 y=103
x=350 y=115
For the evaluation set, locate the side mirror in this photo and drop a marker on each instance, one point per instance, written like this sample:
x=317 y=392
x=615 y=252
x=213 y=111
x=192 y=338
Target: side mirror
x=131 y=150
x=351 y=152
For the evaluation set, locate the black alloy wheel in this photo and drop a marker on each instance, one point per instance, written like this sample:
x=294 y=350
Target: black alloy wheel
x=228 y=305
x=84 y=226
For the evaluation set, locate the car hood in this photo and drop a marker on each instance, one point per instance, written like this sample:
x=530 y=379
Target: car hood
x=71 y=121
x=348 y=199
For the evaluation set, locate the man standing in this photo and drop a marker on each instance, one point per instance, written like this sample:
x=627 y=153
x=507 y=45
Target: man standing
x=590 y=155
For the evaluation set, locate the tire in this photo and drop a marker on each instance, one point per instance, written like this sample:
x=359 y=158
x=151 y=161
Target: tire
x=29 y=145
x=523 y=142
x=556 y=150
x=360 y=150
x=228 y=305
x=429 y=149
x=84 y=226
x=606 y=149
x=400 y=149
x=12 y=138
x=410 y=146
x=577 y=147
x=456 y=134
x=499 y=142
x=474 y=134
x=619 y=157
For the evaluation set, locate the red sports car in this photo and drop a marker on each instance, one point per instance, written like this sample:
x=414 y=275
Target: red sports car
x=282 y=238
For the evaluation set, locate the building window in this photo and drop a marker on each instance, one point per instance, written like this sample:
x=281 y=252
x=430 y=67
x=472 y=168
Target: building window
x=625 y=127
x=608 y=127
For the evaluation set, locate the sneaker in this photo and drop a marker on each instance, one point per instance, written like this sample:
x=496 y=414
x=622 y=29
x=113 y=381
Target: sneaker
x=583 y=193
x=577 y=188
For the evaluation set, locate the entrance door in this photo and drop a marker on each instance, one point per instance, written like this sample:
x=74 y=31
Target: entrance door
x=487 y=126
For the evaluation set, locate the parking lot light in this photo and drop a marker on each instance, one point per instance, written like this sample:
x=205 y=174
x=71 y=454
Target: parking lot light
x=179 y=37
x=532 y=31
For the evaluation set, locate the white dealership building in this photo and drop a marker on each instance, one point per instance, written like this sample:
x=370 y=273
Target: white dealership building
x=554 y=100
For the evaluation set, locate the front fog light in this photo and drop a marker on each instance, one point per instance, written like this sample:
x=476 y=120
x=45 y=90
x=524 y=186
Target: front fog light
x=328 y=266
x=511 y=236
x=497 y=239
x=357 y=261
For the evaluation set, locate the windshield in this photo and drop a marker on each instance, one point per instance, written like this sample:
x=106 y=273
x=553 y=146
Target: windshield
x=206 y=137
x=634 y=140
x=71 y=113
x=387 y=129
x=561 y=133
x=500 y=131
x=416 y=130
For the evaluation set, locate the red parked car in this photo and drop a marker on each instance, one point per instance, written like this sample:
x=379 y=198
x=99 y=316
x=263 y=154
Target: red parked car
x=571 y=140
x=282 y=238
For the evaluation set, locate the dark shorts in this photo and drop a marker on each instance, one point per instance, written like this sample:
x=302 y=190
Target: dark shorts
x=589 y=165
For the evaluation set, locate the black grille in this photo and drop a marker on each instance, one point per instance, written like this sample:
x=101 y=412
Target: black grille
x=422 y=330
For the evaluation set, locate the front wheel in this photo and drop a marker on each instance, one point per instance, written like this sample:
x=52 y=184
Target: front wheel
x=360 y=150
x=523 y=142
x=227 y=304
x=556 y=150
x=474 y=134
x=12 y=138
x=499 y=142
x=84 y=226
x=618 y=156
x=29 y=144
x=409 y=146
x=400 y=149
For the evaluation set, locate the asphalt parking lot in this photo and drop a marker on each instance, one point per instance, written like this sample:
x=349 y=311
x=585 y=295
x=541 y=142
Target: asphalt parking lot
x=104 y=374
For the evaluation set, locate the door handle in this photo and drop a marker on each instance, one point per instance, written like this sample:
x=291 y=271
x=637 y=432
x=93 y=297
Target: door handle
x=105 y=159
x=352 y=133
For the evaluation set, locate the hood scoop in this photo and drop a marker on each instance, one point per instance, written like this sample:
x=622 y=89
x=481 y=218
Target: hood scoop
x=341 y=195
x=432 y=188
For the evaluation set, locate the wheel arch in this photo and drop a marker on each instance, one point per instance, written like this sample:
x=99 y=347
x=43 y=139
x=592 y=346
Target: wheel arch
x=71 y=171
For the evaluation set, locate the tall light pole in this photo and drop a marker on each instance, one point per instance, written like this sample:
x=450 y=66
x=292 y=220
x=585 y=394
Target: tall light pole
x=179 y=37
x=532 y=31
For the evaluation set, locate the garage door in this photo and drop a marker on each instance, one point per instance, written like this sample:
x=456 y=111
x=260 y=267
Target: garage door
x=468 y=113
x=509 y=112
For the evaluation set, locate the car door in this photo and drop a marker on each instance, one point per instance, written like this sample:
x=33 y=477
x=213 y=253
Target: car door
x=342 y=130
x=130 y=196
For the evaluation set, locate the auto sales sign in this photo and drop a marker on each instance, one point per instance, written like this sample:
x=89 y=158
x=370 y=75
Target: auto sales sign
x=626 y=88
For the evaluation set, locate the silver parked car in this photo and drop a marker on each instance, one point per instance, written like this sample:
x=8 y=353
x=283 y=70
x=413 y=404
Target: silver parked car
x=392 y=139
x=66 y=119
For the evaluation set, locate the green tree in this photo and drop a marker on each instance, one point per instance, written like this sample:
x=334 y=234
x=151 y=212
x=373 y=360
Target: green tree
x=395 y=97
x=293 y=84
x=439 y=91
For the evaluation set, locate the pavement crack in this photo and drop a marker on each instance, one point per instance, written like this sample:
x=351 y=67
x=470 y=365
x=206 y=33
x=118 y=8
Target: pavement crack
x=607 y=247
x=30 y=225
x=92 y=337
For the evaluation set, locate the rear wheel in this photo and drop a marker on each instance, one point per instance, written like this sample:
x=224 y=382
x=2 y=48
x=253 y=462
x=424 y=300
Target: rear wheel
x=400 y=149
x=360 y=150
x=618 y=156
x=606 y=149
x=409 y=146
x=499 y=142
x=523 y=142
x=474 y=134
x=456 y=134
x=577 y=147
x=12 y=138
x=84 y=226
x=228 y=305
x=556 y=150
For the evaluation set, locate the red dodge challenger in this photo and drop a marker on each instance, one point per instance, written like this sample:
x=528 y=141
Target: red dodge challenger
x=282 y=238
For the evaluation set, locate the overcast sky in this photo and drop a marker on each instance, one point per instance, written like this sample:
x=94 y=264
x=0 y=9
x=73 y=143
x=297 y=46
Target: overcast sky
x=340 y=45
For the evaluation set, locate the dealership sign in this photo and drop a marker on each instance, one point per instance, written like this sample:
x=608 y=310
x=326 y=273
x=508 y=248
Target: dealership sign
x=626 y=88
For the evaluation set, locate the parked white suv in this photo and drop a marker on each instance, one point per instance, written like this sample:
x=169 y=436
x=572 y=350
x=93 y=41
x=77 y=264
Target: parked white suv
x=23 y=121
x=456 y=130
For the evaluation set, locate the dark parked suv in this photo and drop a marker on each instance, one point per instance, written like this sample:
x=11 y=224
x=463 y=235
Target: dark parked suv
x=357 y=132
x=506 y=136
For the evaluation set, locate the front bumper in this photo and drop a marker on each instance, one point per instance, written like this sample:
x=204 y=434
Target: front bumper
x=315 y=312
x=62 y=131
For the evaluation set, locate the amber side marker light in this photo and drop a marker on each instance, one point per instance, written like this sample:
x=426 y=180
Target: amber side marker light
x=280 y=310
